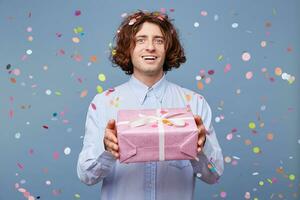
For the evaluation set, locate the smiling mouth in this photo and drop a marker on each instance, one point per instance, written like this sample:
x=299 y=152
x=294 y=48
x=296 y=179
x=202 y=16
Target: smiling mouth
x=149 y=57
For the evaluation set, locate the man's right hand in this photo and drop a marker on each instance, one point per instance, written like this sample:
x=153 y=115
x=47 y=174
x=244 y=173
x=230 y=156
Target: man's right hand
x=110 y=139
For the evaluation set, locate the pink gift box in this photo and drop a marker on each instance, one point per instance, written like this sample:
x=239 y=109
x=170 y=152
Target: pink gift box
x=156 y=134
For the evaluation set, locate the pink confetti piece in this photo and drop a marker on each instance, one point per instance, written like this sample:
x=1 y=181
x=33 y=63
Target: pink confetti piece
x=55 y=155
x=31 y=151
x=21 y=166
x=22 y=190
x=58 y=34
x=93 y=106
x=11 y=113
x=227 y=68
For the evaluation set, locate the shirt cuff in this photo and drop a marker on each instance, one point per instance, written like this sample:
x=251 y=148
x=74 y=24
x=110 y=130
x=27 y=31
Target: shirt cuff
x=107 y=160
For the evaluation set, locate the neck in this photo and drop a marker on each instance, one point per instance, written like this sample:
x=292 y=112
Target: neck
x=148 y=80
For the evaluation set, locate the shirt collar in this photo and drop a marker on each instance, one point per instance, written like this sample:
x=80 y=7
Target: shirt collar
x=141 y=90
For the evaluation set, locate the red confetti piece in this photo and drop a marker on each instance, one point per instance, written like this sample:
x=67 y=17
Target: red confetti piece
x=45 y=127
x=77 y=13
x=21 y=166
x=94 y=106
x=211 y=72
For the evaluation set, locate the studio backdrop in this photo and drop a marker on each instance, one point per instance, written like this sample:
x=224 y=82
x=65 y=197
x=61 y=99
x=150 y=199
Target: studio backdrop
x=242 y=56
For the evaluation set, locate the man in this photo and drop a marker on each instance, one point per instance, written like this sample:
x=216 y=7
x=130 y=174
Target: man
x=147 y=46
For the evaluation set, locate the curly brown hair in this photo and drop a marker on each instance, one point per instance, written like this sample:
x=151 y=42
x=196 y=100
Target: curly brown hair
x=125 y=42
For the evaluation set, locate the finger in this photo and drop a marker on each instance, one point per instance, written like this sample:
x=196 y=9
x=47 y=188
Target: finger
x=201 y=141
x=111 y=145
x=201 y=129
x=198 y=120
x=111 y=135
x=199 y=149
x=116 y=155
x=111 y=124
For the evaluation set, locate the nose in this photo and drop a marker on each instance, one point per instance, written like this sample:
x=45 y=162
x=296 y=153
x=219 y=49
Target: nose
x=150 y=47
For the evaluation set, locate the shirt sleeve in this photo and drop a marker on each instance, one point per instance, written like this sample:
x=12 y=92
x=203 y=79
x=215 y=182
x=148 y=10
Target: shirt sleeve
x=94 y=163
x=210 y=165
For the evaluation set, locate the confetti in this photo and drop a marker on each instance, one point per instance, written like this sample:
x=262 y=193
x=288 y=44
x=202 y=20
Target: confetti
x=29 y=52
x=249 y=75
x=263 y=44
x=203 y=13
x=235 y=25
x=75 y=39
x=196 y=24
x=99 y=89
x=48 y=92
x=83 y=93
x=18 y=135
x=256 y=150
x=55 y=155
x=246 y=56
x=101 y=77
x=93 y=58
x=67 y=151
x=223 y=194
x=77 y=13
x=252 y=125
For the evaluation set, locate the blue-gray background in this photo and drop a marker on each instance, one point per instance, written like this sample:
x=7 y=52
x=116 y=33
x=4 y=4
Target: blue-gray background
x=37 y=126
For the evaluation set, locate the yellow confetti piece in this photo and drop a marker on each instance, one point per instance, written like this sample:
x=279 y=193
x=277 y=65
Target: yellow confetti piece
x=83 y=93
x=269 y=180
x=77 y=196
x=167 y=122
x=75 y=40
x=99 y=89
x=252 y=125
x=78 y=29
x=292 y=177
x=220 y=57
x=256 y=150
x=261 y=183
x=114 y=52
x=101 y=77
x=57 y=93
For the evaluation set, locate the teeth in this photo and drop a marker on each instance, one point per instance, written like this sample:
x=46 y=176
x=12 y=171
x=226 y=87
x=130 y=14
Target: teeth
x=149 y=57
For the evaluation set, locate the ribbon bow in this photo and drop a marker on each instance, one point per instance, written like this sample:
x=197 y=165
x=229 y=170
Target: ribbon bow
x=165 y=119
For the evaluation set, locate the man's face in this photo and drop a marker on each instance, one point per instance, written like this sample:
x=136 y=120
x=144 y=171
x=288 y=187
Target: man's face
x=149 y=53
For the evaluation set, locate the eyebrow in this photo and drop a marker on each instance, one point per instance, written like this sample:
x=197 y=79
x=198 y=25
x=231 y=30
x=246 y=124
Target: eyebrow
x=145 y=36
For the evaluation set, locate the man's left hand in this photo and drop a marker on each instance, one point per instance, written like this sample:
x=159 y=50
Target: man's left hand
x=202 y=133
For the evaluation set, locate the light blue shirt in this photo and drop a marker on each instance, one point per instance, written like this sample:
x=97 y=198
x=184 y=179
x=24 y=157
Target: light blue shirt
x=163 y=180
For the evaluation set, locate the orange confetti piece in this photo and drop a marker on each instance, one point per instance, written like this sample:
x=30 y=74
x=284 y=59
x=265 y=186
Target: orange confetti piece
x=83 y=93
x=93 y=58
x=200 y=85
x=13 y=80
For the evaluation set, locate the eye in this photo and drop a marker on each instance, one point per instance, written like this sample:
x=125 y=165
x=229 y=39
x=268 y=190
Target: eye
x=159 y=41
x=140 y=41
